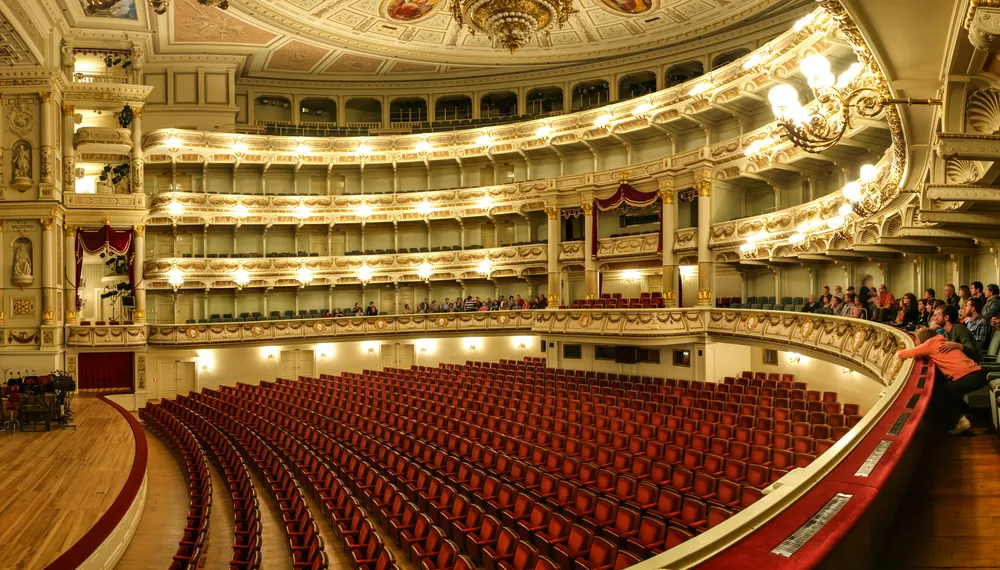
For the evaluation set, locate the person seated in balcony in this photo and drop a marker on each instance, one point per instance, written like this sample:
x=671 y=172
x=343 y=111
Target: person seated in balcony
x=976 y=323
x=327 y=314
x=964 y=294
x=485 y=306
x=371 y=311
x=502 y=304
x=950 y=296
x=845 y=307
x=838 y=291
x=991 y=310
x=520 y=302
x=929 y=295
x=424 y=306
x=450 y=308
x=543 y=302
x=924 y=313
x=433 y=308
x=957 y=373
x=885 y=303
x=826 y=297
x=958 y=335
x=813 y=306
x=512 y=304
x=337 y=313
x=358 y=311
x=406 y=309
x=907 y=315
x=857 y=308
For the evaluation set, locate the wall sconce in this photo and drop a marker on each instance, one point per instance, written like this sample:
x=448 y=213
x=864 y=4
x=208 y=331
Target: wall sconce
x=794 y=357
x=369 y=347
x=175 y=278
x=364 y=273
x=325 y=350
x=269 y=352
x=423 y=147
x=175 y=209
x=689 y=270
x=522 y=346
x=472 y=347
x=173 y=144
x=630 y=275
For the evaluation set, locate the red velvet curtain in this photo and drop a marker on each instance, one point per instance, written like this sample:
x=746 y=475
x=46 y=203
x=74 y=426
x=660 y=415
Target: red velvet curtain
x=628 y=196
x=119 y=242
x=105 y=370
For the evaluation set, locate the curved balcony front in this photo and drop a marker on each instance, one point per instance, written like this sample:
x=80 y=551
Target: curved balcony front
x=103 y=140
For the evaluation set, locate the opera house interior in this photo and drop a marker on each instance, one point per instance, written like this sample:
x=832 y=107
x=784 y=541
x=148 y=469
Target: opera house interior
x=499 y=284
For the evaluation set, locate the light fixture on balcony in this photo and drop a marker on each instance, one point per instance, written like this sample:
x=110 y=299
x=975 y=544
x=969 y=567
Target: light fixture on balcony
x=543 y=131
x=858 y=93
x=175 y=277
x=424 y=208
x=423 y=147
x=642 y=108
x=304 y=275
x=603 y=120
x=240 y=211
x=485 y=268
x=700 y=88
x=303 y=150
x=364 y=273
x=363 y=150
x=241 y=277
x=239 y=148
x=173 y=144
x=363 y=211
x=302 y=212
x=511 y=24
x=425 y=271
x=759 y=146
x=630 y=275
x=175 y=209
x=484 y=140
x=485 y=203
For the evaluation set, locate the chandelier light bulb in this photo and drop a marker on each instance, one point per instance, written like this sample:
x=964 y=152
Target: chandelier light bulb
x=835 y=222
x=302 y=211
x=241 y=276
x=845 y=210
x=803 y=227
x=642 y=109
x=748 y=247
x=797 y=238
x=364 y=273
x=485 y=202
x=175 y=209
x=603 y=120
x=815 y=65
x=424 y=271
x=175 y=277
x=869 y=173
x=543 y=131
x=423 y=147
x=240 y=211
x=803 y=22
x=239 y=147
x=424 y=208
x=784 y=101
x=849 y=74
x=852 y=191
x=630 y=275
x=173 y=143
x=304 y=275
x=753 y=61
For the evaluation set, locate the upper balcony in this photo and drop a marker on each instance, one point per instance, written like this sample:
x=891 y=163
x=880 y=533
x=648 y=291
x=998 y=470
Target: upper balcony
x=102 y=335
x=103 y=140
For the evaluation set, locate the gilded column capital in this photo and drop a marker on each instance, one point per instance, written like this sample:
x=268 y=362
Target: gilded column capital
x=588 y=208
x=70 y=230
x=45 y=96
x=140 y=231
x=667 y=195
x=46 y=224
x=68 y=110
x=552 y=211
x=137 y=113
x=703 y=183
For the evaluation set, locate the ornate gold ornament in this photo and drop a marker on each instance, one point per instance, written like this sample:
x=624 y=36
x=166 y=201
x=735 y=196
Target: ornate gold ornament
x=511 y=23
x=47 y=317
x=140 y=231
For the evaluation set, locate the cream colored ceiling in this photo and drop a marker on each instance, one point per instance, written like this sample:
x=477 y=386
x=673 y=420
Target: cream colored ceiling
x=331 y=39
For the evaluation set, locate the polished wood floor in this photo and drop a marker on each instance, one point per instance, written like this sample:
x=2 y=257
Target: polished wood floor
x=950 y=515
x=55 y=485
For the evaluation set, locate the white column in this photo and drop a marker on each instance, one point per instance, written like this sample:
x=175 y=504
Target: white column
x=136 y=168
x=46 y=152
x=669 y=213
x=69 y=288
x=69 y=154
x=138 y=260
x=553 y=256
x=589 y=261
x=706 y=269
x=47 y=259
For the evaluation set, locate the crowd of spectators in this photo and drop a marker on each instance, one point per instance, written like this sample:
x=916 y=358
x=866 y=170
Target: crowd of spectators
x=475 y=304
x=953 y=331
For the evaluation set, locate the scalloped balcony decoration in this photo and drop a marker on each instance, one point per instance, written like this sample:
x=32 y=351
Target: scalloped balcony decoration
x=511 y=24
x=103 y=140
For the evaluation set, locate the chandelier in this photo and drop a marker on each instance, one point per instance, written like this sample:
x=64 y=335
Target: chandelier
x=511 y=23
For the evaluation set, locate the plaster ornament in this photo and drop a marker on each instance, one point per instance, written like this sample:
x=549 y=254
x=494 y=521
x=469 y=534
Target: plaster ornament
x=959 y=171
x=21 y=166
x=983 y=110
x=21 y=274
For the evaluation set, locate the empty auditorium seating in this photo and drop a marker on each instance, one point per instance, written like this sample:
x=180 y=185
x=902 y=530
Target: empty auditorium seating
x=518 y=466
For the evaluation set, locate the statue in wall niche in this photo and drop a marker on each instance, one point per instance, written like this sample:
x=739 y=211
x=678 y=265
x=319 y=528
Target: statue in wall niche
x=21 y=274
x=20 y=165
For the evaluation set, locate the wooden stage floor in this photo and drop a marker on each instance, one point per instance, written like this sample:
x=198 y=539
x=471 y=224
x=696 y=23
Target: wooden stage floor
x=55 y=485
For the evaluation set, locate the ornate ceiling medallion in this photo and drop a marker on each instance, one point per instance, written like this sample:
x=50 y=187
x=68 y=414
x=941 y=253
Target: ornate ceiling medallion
x=511 y=23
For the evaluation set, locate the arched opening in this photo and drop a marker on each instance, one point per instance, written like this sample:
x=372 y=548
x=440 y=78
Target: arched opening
x=317 y=110
x=363 y=112
x=496 y=105
x=407 y=110
x=545 y=100
x=684 y=72
x=453 y=108
x=590 y=94
x=636 y=85
x=268 y=109
x=729 y=57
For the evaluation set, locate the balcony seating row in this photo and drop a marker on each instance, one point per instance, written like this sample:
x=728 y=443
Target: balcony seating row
x=386 y=251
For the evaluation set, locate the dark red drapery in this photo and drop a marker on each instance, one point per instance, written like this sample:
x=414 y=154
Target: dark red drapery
x=119 y=242
x=105 y=370
x=628 y=196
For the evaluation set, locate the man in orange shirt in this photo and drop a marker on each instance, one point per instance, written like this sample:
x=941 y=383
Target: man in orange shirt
x=886 y=304
x=962 y=374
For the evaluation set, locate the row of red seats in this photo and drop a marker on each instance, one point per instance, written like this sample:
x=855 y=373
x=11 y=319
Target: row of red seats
x=246 y=507
x=364 y=546
x=304 y=539
x=183 y=443
x=462 y=512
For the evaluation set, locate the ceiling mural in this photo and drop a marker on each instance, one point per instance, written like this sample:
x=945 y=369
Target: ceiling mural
x=193 y=23
x=630 y=7
x=296 y=56
x=409 y=10
x=124 y=9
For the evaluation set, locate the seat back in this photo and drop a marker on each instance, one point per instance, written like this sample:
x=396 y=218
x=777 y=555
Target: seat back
x=602 y=552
